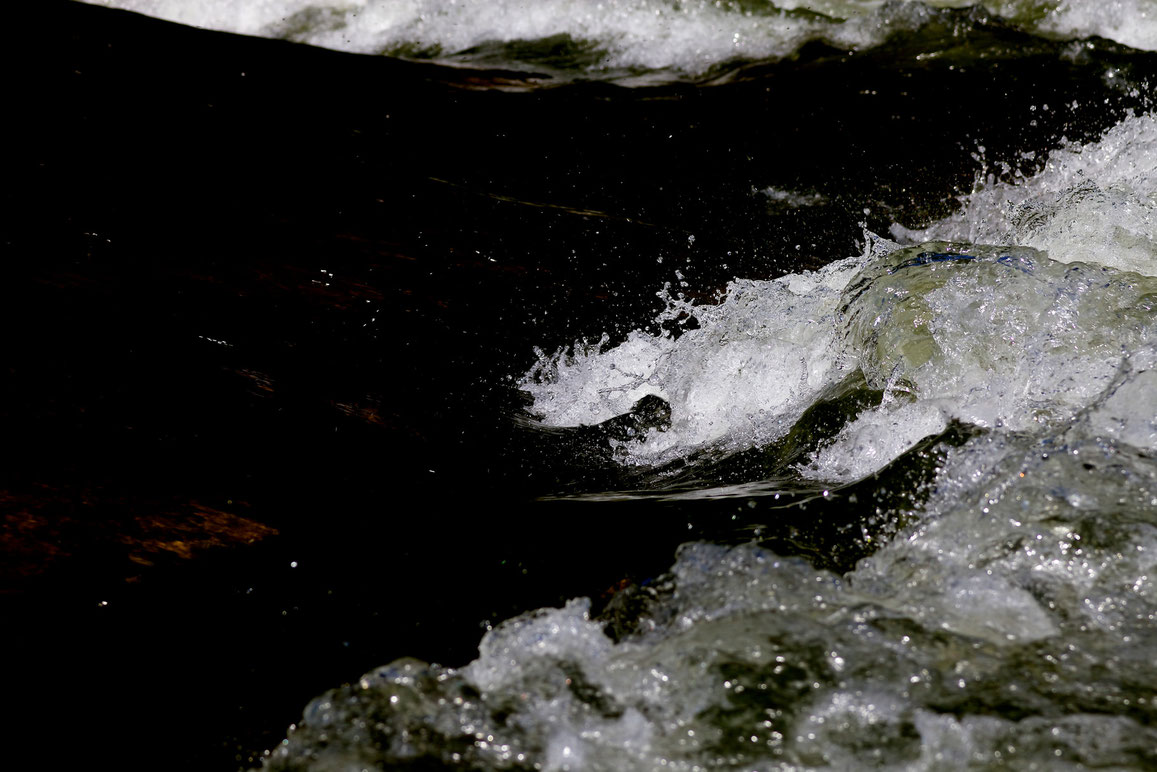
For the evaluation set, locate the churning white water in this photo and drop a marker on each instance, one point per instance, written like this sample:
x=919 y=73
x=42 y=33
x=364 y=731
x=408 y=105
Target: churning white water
x=1011 y=622
x=689 y=36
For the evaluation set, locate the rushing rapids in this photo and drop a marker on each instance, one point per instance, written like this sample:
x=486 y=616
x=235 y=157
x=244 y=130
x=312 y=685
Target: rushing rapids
x=626 y=36
x=775 y=381
x=1011 y=619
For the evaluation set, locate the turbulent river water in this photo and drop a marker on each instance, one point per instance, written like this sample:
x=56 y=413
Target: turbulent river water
x=888 y=368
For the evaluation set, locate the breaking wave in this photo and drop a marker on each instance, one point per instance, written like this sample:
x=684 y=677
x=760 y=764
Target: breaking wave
x=1009 y=621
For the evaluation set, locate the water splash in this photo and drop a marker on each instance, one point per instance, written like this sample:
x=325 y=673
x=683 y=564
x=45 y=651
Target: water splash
x=1096 y=203
x=1010 y=621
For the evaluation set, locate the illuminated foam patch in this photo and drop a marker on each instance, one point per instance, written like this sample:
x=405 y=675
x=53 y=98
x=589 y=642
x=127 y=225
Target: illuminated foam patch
x=1130 y=22
x=994 y=337
x=752 y=660
x=757 y=360
x=1096 y=204
x=689 y=37
x=875 y=439
x=997 y=337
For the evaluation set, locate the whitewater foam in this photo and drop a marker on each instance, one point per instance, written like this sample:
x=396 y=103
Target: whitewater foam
x=757 y=360
x=689 y=37
x=1010 y=621
x=996 y=337
x=752 y=660
x=1096 y=203
x=1015 y=618
x=1129 y=22
x=874 y=439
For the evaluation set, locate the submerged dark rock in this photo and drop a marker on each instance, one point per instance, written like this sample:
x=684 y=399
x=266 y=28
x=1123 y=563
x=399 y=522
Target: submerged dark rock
x=652 y=412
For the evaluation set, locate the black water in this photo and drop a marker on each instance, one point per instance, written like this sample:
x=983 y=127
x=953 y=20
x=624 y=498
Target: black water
x=297 y=285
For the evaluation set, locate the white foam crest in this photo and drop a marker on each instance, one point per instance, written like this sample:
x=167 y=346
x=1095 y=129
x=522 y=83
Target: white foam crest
x=802 y=668
x=558 y=633
x=1096 y=204
x=1028 y=584
x=653 y=34
x=521 y=654
x=876 y=438
x=757 y=360
x=689 y=36
x=994 y=337
x=1130 y=22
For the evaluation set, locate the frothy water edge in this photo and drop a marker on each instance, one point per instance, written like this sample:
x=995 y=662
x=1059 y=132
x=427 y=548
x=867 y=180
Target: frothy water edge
x=1011 y=622
x=625 y=36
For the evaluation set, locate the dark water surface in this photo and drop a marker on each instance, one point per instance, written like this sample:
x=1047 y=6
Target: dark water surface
x=266 y=307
